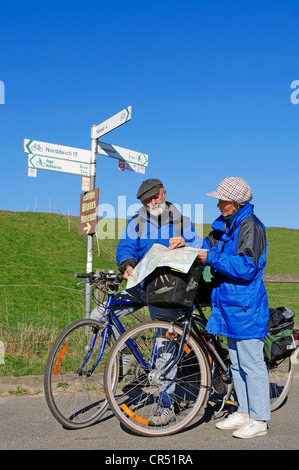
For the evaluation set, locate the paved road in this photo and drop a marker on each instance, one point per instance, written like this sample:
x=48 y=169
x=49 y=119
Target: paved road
x=27 y=424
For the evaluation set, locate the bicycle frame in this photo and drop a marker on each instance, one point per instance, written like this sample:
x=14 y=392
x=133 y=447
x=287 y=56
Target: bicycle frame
x=112 y=319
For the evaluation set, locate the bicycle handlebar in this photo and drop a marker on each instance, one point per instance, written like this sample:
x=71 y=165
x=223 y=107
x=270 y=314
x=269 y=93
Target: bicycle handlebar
x=110 y=276
x=83 y=275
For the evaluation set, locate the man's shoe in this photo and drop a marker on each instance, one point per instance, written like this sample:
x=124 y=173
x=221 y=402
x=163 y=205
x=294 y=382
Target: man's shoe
x=234 y=421
x=162 y=417
x=251 y=429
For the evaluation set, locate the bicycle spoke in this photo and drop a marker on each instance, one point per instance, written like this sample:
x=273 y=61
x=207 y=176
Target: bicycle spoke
x=74 y=389
x=183 y=388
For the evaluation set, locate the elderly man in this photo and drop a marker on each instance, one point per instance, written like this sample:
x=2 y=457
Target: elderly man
x=157 y=221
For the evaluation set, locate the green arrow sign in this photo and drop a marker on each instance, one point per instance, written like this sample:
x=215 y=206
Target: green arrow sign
x=45 y=149
x=56 y=164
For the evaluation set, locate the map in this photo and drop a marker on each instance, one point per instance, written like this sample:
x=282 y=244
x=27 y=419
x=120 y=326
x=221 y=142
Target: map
x=159 y=255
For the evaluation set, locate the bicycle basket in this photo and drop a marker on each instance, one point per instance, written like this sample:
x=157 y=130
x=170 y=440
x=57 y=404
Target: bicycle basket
x=169 y=288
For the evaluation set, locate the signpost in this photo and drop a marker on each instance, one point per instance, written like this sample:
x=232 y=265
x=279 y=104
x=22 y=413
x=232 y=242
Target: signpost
x=56 y=151
x=120 y=153
x=112 y=123
x=53 y=157
x=89 y=202
x=122 y=166
x=56 y=164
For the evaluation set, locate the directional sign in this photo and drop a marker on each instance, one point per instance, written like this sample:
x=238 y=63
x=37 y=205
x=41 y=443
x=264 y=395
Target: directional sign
x=89 y=212
x=57 y=151
x=122 y=166
x=56 y=164
x=120 y=153
x=112 y=123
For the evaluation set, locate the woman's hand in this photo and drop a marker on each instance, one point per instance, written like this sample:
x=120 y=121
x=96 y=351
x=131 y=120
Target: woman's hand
x=176 y=242
x=202 y=255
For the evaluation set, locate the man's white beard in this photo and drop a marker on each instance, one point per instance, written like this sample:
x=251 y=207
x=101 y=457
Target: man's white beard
x=157 y=209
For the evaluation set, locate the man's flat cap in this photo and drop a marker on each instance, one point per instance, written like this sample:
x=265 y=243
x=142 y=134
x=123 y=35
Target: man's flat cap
x=149 y=188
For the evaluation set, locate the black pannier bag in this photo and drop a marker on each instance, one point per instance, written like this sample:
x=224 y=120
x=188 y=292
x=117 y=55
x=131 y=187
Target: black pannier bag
x=279 y=342
x=205 y=287
x=169 y=288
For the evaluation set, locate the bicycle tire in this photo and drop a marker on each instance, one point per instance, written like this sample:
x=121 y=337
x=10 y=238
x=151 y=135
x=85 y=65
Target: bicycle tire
x=280 y=380
x=135 y=398
x=74 y=395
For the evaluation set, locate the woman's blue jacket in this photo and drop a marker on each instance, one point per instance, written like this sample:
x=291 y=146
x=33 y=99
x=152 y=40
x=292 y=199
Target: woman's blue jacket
x=237 y=256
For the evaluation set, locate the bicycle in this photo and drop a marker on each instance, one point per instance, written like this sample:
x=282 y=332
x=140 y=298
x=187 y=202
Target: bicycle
x=182 y=361
x=73 y=378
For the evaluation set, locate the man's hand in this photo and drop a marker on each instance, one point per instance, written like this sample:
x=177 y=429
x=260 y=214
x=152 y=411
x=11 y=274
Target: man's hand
x=176 y=242
x=128 y=272
x=202 y=255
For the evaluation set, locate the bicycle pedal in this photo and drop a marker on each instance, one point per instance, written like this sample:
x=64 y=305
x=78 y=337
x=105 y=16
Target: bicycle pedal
x=232 y=403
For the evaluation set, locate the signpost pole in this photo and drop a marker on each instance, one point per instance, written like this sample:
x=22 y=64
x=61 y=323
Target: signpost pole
x=93 y=161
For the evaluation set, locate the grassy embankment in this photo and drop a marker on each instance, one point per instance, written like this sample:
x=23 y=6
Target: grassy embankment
x=40 y=251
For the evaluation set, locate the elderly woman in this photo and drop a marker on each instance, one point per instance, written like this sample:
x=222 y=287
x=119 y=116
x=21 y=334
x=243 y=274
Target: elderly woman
x=239 y=309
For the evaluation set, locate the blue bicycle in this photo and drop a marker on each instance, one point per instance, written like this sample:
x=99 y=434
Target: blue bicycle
x=73 y=378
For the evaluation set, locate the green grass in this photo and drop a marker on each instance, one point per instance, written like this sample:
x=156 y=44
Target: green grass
x=283 y=249
x=39 y=296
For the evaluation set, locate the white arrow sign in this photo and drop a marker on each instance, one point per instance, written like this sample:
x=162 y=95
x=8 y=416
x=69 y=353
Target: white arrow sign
x=57 y=151
x=120 y=153
x=112 y=123
x=56 y=164
x=87 y=228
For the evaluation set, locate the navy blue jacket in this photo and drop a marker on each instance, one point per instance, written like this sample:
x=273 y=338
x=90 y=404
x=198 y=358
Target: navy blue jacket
x=237 y=257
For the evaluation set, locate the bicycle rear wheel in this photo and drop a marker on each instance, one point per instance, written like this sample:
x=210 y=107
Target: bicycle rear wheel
x=74 y=388
x=185 y=386
x=280 y=379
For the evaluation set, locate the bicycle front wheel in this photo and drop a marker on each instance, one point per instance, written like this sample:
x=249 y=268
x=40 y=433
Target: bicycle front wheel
x=155 y=381
x=73 y=379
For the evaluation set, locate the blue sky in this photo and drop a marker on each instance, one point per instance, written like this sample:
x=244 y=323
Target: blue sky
x=209 y=84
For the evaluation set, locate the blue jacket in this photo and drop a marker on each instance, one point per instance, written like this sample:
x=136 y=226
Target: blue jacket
x=237 y=256
x=143 y=231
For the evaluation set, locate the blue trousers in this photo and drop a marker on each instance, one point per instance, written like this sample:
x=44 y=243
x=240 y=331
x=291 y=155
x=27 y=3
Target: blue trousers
x=250 y=377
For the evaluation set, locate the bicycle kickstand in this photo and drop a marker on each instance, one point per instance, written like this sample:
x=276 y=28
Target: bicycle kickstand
x=226 y=401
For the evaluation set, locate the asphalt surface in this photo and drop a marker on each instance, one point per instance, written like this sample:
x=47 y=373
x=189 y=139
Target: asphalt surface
x=27 y=424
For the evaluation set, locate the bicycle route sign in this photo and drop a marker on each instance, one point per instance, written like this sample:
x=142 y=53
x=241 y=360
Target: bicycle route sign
x=56 y=164
x=56 y=151
x=120 y=153
x=88 y=212
x=112 y=123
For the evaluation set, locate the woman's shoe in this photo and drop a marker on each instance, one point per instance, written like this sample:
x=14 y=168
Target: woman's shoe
x=251 y=429
x=234 y=421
